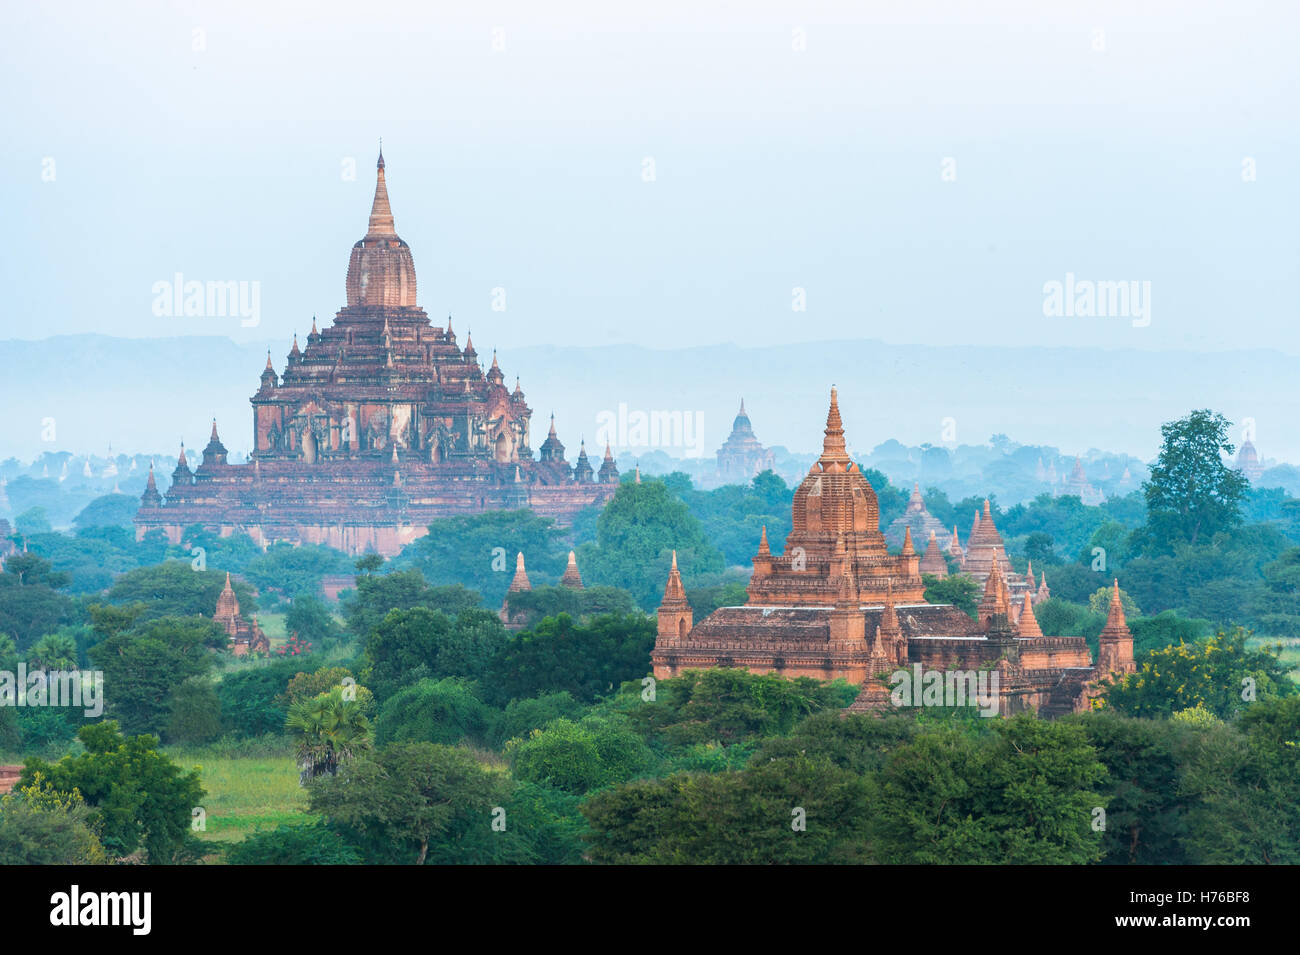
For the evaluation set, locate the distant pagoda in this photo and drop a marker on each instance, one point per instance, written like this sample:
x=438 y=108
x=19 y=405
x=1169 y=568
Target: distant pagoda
x=1248 y=462
x=741 y=456
x=916 y=518
x=380 y=425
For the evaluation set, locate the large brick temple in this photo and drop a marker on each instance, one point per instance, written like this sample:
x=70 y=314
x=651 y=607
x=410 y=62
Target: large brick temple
x=836 y=603
x=381 y=424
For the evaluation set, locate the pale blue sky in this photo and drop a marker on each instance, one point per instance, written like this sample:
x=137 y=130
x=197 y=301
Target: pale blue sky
x=522 y=168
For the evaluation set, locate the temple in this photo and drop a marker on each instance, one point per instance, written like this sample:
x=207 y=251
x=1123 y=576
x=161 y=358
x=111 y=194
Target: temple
x=245 y=637
x=379 y=425
x=1248 y=462
x=741 y=457
x=836 y=604
x=915 y=517
x=1077 y=485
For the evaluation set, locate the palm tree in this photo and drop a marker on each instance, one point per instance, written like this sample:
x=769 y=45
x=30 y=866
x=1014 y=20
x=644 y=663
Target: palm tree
x=55 y=651
x=330 y=729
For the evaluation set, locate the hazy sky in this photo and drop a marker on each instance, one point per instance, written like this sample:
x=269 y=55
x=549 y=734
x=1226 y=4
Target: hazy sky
x=1103 y=139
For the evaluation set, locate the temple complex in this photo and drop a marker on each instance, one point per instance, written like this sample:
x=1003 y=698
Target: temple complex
x=984 y=550
x=378 y=424
x=921 y=522
x=245 y=637
x=741 y=457
x=835 y=603
x=516 y=618
x=1077 y=485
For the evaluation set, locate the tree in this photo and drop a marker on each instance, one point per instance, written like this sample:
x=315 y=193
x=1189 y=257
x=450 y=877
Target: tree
x=406 y=799
x=41 y=826
x=577 y=757
x=252 y=700
x=30 y=603
x=329 y=729
x=142 y=666
x=1021 y=793
x=433 y=711
x=520 y=716
x=545 y=601
x=559 y=654
x=1099 y=602
x=1192 y=493
x=55 y=651
x=309 y=843
x=377 y=595
x=636 y=534
x=175 y=588
x=1220 y=673
x=141 y=798
x=31 y=522
x=961 y=591
x=1039 y=548
x=1248 y=781
x=311 y=620
x=801 y=810
x=195 y=715
x=730 y=705
x=479 y=551
x=1277 y=608
x=111 y=510
x=295 y=568
x=410 y=645
x=1146 y=802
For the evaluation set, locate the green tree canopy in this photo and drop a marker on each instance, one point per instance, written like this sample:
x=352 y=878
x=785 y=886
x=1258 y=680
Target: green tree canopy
x=1192 y=493
x=141 y=798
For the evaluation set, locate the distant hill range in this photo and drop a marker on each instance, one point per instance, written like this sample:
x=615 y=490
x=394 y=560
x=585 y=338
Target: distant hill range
x=148 y=395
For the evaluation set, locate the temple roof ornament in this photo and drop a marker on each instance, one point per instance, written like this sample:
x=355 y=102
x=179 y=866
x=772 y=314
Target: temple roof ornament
x=571 y=578
x=1027 y=626
x=381 y=271
x=520 y=580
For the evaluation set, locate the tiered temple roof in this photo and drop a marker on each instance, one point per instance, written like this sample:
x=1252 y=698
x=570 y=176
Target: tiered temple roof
x=571 y=578
x=922 y=523
x=834 y=603
x=932 y=561
x=245 y=637
x=1248 y=462
x=741 y=456
x=381 y=424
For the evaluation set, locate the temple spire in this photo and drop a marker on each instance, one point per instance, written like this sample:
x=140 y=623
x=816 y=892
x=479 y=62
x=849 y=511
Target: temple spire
x=571 y=578
x=996 y=600
x=1028 y=626
x=381 y=213
x=834 y=449
x=1115 y=621
x=889 y=618
x=520 y=581
x=674 y=591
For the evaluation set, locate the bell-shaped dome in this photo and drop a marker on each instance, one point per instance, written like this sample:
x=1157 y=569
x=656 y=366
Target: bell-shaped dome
x=835 y=498
x=381 y=270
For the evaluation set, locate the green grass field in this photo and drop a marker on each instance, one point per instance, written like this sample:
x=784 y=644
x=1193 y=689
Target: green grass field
x=245 y=793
